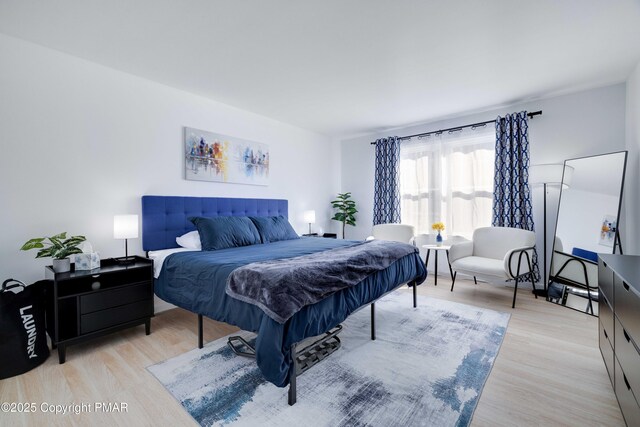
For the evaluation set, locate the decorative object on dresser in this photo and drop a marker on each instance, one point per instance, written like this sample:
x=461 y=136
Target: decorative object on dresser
x=125 y=227
x=619 y=329
x=346 y=210
x=84 y=305
x=595 y=193
x=220 y=158
x=58 y=247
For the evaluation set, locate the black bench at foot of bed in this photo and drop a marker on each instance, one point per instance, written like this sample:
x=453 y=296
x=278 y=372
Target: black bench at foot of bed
x=307 y=357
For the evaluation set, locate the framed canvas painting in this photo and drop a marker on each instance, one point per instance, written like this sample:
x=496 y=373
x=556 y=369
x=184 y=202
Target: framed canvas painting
x=216 y=157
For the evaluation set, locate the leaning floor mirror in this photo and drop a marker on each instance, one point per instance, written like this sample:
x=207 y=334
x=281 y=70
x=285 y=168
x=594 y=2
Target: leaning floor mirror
x=587 y=225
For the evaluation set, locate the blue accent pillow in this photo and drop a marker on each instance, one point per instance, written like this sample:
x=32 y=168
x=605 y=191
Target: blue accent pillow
x=274 y=228
x=225 y=232
x=583 y=253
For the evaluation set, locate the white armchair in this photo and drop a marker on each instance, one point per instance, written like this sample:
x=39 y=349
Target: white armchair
x=495 y=253
x=394 y=232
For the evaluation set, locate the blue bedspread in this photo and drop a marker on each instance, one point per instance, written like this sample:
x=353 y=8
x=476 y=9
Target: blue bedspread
x=196 y=281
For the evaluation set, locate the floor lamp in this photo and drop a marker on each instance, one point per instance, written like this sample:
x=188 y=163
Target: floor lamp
x=548 y=175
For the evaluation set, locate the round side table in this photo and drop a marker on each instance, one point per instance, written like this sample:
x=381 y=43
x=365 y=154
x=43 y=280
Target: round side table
x=437 y=249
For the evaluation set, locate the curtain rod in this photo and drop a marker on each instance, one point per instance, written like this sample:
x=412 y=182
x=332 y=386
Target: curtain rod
x=438 y=132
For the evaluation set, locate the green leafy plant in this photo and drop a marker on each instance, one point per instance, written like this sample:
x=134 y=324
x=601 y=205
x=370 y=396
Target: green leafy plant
x=57 y=247
x=346 y=210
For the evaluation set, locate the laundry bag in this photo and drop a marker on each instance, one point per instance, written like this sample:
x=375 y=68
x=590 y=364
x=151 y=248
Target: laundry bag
x=23 y=339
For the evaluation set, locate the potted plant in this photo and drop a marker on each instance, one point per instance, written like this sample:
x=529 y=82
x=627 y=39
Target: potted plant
x=346 y=210
x=58 y=247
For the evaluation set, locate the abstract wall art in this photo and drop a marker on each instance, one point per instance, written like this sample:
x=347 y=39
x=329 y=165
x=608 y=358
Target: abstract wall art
x=608 y=231
x=220 y=158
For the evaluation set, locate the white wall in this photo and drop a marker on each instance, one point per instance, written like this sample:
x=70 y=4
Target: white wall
x=81 y=142
x=632 y=190
x=575 y=125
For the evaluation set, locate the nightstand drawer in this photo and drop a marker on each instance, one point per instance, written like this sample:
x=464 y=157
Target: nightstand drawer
x=115 y=316
x=115 y=297
x=628 y=357
x=90 y=283
x=626 y=398
x=606 y=348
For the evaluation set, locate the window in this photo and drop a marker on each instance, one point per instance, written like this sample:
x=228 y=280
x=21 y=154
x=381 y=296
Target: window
x=449 y=178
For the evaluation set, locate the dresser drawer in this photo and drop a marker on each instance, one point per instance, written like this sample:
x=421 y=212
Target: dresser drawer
x=605 y=280
x=606 y=316
x=627 y=306
x=626 y=398
x=115 y=297
x=628 y=356
x=607 y=352
x=115 y=316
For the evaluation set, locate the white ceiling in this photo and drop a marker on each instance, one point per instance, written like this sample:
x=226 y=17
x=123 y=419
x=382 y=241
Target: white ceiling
x=347 y=67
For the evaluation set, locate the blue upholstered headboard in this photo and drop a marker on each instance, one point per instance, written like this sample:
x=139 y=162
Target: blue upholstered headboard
x=166 y=217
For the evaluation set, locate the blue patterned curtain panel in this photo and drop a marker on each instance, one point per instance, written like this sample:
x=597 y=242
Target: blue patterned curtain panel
x=386 y=197
x=511 y=192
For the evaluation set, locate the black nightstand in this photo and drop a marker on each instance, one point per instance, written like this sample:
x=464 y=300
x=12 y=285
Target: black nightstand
x=82 y=305
x=325 y=235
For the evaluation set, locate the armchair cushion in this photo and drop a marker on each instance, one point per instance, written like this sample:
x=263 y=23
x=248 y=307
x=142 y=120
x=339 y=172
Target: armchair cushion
x=480 y=266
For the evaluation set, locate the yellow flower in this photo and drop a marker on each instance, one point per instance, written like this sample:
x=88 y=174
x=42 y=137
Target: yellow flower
x=438 y=226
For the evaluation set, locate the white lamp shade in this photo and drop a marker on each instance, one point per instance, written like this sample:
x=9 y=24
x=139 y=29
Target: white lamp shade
x=310 y=217
x=550 y=174
x=125 y=227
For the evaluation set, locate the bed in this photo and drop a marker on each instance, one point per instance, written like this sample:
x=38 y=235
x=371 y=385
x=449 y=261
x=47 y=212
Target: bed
x=196 y=281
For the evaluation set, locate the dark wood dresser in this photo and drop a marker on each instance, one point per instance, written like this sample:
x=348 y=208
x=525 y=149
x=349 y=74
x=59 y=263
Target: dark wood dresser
x=619 y=325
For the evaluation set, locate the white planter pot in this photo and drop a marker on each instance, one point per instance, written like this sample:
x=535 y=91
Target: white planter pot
x=61 y=265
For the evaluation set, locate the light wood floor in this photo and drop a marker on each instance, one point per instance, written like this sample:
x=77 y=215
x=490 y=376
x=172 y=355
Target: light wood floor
x=549 y=370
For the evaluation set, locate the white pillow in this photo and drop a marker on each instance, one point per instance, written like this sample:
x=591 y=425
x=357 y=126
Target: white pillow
x=191 y=240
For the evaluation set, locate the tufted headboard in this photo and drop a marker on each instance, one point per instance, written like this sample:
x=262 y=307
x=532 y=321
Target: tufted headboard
x=166 y=217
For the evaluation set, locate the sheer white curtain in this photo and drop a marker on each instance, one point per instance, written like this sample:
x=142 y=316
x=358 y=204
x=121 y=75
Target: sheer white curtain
x=448 y=178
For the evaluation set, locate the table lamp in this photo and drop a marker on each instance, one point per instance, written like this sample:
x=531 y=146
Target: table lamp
x=310 y=217
x=125 y=227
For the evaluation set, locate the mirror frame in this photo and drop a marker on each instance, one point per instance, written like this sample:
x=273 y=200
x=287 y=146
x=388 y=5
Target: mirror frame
x=616 y=239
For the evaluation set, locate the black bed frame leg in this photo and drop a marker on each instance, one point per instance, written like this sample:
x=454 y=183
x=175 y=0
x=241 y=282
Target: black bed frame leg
x=293 y=395
x=200 y=340
x=415 y=295
x=373 y=321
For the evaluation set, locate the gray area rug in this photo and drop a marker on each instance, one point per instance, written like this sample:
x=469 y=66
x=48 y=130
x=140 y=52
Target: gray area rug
x=427 y=367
